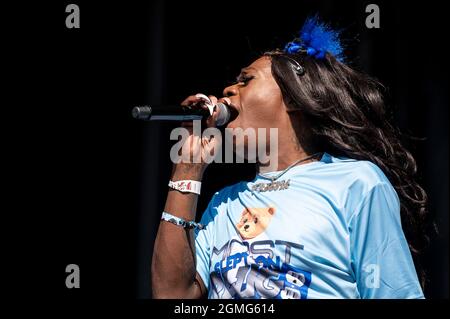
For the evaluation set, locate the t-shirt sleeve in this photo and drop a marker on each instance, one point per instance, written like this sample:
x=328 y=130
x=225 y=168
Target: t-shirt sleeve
x=204 y=241
x=381 y=259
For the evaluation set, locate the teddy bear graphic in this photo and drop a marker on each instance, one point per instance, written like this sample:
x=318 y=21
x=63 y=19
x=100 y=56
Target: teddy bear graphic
x=254 y=221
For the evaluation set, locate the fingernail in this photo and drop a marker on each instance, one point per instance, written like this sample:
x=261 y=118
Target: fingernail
x=203 y=96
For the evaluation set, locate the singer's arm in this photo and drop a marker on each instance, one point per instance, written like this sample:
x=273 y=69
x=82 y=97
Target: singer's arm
x=173 y=266
x=174 y=272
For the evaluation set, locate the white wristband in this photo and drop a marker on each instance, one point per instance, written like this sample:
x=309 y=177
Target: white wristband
x=186 y=186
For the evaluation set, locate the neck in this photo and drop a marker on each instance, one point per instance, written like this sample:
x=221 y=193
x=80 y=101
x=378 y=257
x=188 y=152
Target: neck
x=286 y=156
x=292 y=141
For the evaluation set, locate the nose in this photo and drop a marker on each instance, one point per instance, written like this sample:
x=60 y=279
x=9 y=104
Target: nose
x=246 y=227
x=230 y=90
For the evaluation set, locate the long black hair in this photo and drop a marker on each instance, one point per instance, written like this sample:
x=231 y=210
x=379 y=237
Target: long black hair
x=346 y=116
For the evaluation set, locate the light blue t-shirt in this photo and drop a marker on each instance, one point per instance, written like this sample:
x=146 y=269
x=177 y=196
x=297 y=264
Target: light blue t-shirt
x=334 y=232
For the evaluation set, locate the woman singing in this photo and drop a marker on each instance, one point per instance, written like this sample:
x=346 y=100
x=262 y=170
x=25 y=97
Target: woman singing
x=340 y=216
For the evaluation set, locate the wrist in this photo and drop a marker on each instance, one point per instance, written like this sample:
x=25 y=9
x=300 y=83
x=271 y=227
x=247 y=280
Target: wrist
x=188 y=172
x=186 y=186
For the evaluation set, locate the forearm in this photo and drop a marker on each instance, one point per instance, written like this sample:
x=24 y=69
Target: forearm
x=173 y=264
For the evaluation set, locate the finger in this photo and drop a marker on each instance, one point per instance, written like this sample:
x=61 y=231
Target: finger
x=203 y=97
x=213 y=99
x=211 y=121
x=190 y=100
x=194 y=101
x=200 y=100
x=206 y=102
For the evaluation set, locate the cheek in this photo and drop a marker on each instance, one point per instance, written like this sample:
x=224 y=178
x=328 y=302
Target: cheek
x=260 y=108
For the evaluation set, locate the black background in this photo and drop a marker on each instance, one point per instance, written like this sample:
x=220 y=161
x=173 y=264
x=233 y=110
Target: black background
x=90 y=182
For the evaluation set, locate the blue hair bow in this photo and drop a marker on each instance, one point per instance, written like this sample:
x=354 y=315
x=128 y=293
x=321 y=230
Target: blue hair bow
x=316 y=39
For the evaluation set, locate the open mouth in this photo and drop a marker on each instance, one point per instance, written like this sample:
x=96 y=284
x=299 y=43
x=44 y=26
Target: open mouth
x=233 y=112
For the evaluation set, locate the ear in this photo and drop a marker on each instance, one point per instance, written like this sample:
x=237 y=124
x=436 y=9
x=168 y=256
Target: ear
x=271 y=210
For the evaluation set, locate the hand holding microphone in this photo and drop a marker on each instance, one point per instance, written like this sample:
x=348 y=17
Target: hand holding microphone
x=194 y=107
x=199 y=146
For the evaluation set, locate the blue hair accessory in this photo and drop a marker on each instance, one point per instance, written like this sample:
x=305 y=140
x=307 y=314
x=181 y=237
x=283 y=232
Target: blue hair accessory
x=316 y=39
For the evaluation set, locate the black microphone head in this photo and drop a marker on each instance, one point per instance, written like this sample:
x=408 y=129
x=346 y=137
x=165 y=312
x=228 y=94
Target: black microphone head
x=141 y=112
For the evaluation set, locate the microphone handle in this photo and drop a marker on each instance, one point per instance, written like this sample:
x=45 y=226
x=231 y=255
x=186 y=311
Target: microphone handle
x=168 y=113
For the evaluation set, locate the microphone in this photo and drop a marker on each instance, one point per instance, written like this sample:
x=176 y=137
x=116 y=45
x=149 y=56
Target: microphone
x=177 y=113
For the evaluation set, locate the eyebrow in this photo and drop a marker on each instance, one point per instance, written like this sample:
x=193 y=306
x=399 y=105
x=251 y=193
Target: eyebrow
x=243 y=70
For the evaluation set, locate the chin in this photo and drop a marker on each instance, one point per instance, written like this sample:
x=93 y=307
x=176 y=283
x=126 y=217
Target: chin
x=232 y=125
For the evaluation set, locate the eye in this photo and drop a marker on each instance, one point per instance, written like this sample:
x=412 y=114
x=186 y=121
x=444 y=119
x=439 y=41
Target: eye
x=256 y=220
x=243 y=78
x=245 y=220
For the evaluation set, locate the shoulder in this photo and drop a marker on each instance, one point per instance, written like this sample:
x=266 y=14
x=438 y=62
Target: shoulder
x=362 y=181
x=369 y=174
x=361 y=174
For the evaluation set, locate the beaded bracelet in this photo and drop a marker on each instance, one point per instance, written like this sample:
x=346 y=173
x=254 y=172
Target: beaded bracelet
x=180 y=221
